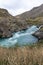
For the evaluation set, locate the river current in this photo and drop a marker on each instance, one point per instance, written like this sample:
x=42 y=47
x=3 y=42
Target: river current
x=21 y=38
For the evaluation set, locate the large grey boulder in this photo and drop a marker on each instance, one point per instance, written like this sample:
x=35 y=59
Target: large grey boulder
x=38 y=34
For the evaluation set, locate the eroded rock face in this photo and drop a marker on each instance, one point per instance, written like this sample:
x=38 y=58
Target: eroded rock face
x=10 y=25
x=4 y=28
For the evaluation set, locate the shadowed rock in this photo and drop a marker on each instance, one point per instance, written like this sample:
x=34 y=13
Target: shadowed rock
x=38 y=34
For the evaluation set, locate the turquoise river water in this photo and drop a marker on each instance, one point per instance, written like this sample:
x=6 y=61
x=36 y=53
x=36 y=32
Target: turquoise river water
x=21 y=37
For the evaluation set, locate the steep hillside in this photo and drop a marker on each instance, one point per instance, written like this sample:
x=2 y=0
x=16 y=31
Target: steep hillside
x=9 y=24
x=33 y=13
x=4 y=13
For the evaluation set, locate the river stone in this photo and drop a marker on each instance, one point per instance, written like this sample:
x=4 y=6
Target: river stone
x=38 y=34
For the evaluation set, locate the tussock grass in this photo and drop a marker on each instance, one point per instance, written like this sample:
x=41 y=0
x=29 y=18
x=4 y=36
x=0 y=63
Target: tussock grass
x=26 y=55
x=36 y=21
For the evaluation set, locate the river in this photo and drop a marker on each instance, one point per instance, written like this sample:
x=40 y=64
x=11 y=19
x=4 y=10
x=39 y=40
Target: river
x=21 y=38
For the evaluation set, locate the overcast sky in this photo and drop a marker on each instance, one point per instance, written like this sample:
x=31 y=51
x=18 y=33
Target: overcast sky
x=16 y=7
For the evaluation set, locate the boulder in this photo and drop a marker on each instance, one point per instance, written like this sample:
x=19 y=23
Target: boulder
x=38 y=34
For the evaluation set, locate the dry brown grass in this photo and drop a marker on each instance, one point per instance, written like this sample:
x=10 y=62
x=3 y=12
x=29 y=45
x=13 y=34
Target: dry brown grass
x=26 y=55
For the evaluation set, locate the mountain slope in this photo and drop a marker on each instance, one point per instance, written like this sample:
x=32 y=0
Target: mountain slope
x=33 y=13
x=9 y=24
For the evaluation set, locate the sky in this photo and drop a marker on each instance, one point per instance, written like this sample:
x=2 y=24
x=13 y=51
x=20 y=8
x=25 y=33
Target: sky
x=16 y=7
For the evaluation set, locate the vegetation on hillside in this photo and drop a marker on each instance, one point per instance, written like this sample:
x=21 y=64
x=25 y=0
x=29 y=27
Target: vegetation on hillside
x=33 y=13
x=35 y=21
